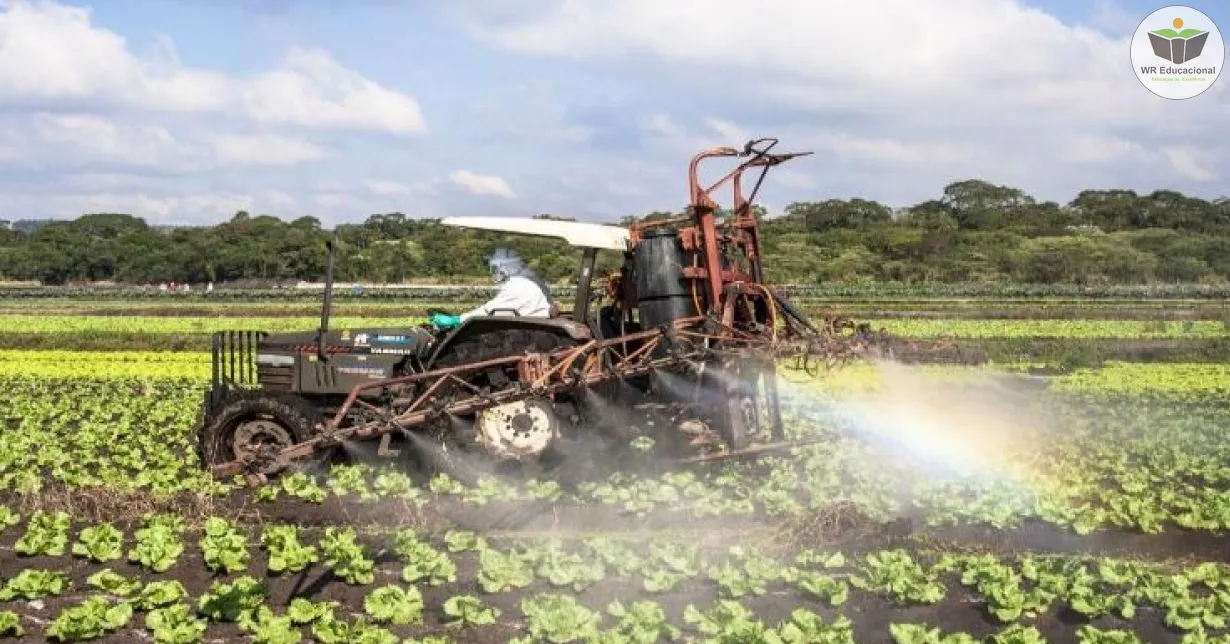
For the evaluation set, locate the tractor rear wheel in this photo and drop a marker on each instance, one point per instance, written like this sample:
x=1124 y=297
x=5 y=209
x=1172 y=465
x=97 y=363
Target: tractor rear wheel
x=254 y=426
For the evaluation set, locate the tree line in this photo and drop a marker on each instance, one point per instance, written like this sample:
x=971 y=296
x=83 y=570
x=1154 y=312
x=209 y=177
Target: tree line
x=975 y=232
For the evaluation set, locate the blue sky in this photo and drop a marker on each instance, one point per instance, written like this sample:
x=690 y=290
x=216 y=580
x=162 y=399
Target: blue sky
x=183 y=111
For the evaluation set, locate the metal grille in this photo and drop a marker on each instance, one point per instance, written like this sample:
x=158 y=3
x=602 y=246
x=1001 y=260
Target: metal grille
x=234 y=357
x=275 y=378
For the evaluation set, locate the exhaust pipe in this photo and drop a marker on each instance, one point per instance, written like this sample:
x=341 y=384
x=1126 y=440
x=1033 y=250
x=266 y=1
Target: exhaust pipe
x=327 y=307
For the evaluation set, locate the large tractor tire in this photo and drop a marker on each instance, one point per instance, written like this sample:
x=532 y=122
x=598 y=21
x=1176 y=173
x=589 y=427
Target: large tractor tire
x=252 y=424
x=520 y=435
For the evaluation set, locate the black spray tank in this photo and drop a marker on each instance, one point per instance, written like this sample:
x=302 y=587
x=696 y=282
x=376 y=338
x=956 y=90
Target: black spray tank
x=663 y=294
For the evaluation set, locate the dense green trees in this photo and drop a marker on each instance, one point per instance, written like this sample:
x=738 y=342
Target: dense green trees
x=976 y=231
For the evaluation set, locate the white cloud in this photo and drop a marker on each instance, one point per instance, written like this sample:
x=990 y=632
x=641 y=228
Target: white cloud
x=482 y=184
x=917 y=45
x=1099 y=149
x=96 y=122
x=896 y=152
x=529 y=112
x=254 y=150
x=661 y=124
x=927 y=90
x=876 y=54
x=329 y=200
x=387 y=187
x=314 y=90
x=1189 y=162
x=573 y=134
x=1111 y=16
x=157 y=203
x=728 y=131
x=53 y=52
x=793 y=179
x=896 y=97
x=89 y=137
x=52 y=141
x=394 y=188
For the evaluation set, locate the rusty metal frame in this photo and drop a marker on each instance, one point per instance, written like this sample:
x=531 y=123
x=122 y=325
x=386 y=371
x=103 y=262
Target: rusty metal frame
x=741 y=230
x=696 y=339
x=549 y=374
x=553 y=379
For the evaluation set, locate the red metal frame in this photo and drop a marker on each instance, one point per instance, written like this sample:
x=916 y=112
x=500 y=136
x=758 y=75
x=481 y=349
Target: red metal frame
x=740 y=233
x=550 y=373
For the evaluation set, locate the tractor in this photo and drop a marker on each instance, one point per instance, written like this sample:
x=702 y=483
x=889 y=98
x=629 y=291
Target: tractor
x=687 y=331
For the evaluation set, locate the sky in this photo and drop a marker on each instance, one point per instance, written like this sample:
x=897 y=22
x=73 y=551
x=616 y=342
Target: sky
x=185 y=111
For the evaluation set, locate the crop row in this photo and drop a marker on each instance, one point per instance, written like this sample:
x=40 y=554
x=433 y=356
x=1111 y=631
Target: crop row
x=106 y=365
x=1192 y=379
x=914 y=303
x=876 y=308
x=188 y=325
x=868 y=290
x=87 y=326
x=466 y=578
x=1074 y=459
x=1115 y=378
x=1038 y=329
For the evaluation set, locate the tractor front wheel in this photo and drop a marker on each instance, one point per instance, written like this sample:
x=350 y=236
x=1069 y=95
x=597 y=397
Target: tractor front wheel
x=254 y=428
x=518 y=429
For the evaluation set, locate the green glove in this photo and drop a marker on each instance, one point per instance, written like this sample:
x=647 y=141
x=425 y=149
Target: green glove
x=444 y=321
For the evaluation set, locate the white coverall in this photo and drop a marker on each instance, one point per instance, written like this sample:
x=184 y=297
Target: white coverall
x=518 y=294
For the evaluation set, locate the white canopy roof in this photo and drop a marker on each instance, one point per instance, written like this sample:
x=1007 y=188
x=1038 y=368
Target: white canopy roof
x=575 y=233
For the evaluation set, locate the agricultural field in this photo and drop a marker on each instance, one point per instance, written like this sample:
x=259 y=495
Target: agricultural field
x=89 y=325
x=941 y=503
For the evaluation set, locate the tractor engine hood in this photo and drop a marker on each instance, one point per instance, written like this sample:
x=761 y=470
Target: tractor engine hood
x=383 y=340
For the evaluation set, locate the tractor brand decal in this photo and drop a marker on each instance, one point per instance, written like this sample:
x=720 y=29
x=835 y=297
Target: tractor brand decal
x=360 y=339
x=272 y=359
x=313 y=349
x=400 y=352
x=400 y=339
x=365 y=371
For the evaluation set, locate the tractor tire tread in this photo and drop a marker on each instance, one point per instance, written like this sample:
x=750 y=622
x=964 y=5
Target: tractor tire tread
x=296 y=416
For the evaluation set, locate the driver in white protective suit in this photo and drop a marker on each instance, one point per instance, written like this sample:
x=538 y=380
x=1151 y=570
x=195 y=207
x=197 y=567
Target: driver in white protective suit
x=521 y=293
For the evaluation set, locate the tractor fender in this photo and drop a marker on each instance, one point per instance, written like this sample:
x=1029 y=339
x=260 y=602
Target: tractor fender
x=480 y=325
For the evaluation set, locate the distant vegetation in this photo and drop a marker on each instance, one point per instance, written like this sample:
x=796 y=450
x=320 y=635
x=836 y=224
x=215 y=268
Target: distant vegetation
x=976 y=232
